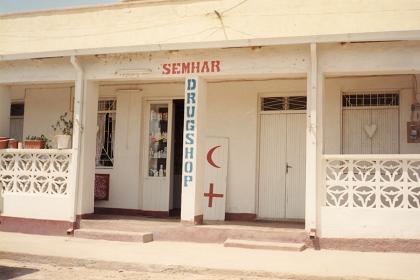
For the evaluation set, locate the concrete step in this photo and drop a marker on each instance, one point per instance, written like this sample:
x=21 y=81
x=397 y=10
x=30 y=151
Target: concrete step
x=250 y=244
x=114 y=235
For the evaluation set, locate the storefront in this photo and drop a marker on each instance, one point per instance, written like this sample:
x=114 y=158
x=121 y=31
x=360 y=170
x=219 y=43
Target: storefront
x=321 y=133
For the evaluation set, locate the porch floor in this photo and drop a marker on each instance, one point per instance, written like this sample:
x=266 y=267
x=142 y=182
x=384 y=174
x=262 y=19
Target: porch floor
x=211 y=232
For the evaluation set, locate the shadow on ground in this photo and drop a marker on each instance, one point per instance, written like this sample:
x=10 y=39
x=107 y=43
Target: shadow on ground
x=10 y=272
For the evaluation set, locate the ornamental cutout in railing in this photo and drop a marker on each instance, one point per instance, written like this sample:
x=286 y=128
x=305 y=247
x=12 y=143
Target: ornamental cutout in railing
x=373 y=182
x=35 y=172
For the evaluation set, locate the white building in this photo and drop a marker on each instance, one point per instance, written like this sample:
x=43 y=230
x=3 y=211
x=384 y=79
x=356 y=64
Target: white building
x=315 y=107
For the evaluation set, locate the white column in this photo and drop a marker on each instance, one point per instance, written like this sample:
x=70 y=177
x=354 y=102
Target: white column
x=82 y=177
x=86 y=178
x=5 y=96
x=194 y=150
x=314 y=140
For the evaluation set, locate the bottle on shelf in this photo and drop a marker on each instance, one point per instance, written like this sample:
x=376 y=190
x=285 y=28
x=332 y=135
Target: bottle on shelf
x=161 y=171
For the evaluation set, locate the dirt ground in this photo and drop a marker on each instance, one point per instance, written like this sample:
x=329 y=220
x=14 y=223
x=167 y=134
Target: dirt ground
x=19 y=267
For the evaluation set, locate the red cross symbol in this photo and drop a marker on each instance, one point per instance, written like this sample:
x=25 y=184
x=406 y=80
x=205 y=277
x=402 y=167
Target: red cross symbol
x=211 y=194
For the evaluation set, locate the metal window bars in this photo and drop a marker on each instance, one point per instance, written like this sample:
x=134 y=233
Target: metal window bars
x=284 y=103
x=370 y=99
x=106 y=133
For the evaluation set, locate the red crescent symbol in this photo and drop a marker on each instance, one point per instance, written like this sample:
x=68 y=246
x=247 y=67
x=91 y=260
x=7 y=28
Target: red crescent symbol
x=210 y=156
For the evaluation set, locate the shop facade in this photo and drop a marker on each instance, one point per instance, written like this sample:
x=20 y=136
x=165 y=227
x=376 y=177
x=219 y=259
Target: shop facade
x=322 y=133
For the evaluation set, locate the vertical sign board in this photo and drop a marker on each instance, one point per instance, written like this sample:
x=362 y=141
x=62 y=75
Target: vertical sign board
x=189 y=132
x=215 y=178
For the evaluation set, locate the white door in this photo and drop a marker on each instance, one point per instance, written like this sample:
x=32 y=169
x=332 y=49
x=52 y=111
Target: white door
x=16 y=128
x=282 y=166
x=370 y=131
x=157 y=170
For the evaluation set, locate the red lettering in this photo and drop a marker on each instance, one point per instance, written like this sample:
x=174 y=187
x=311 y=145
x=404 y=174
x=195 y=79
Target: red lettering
x=195 y=67
x=215 y=66
x=166 y=69
x=186 y=68
x=175 y=68
x=205 y=67
x=191 y=67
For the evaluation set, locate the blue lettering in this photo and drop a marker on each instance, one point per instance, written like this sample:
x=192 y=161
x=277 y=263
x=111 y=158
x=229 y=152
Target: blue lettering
x=189 y=152
x=187 y=180
x=190 y=111
x=188 y=167
x=189 y=125
x=189 y=139
x=191 y=97
x=192 y=84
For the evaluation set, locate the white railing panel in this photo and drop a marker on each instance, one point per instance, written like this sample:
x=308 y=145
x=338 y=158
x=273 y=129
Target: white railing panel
x=372 y=181
x=28 y=171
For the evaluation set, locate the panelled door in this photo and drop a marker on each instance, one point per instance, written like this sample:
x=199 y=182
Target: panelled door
x=282 y=166
x=370 y=123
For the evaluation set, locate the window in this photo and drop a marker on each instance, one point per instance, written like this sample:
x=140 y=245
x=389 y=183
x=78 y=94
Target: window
x=17 y=111
x=370 y=99
x=105 y=138
x=283 y=103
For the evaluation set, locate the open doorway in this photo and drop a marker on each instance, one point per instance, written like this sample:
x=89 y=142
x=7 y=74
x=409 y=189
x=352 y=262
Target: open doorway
x=178 y=140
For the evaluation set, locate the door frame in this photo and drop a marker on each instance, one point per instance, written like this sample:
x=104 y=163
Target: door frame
x=261 y=95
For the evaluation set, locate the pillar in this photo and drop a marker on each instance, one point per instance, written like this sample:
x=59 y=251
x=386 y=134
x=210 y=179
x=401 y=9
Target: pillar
x=194 y=150
x=5 y=96
x=314 y=140
x=86 y=178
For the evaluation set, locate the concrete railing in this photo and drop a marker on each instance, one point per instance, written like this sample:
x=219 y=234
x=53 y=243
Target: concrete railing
x=35 y=171
x=37 y=184
x=372 y=181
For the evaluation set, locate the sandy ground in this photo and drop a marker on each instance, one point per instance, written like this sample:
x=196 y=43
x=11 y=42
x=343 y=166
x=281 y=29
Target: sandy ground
x=74 y=258
x=19 y=267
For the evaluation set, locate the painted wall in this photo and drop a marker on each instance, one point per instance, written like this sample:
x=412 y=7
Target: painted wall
x=5 y=95
x=186 y=22
x=333 y=88
x=42 y=207
x=369 y=223
x=43 y=107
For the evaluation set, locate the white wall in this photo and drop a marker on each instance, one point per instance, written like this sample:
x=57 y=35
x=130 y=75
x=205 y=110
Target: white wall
x=42 y=207
x=5 y=95
x=187 y=22
x=124 y=175
x=43 y=107
x=369 y=223
x=333 y=89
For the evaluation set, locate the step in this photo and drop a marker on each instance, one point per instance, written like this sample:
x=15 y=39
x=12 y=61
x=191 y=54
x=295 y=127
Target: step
x=250 y=244
x=114 y=235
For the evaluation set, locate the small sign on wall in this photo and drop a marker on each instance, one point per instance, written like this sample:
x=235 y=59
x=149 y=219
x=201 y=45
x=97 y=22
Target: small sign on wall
x=413 y=132
x=215 y=178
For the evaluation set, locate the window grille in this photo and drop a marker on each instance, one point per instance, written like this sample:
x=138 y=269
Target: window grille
x=283 y=103
x=106 y=133
x=17 y=109
x=370 y=99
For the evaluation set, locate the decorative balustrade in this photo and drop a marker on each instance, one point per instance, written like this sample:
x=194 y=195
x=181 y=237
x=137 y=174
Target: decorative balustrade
x=372 y=181
x=35 y=171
